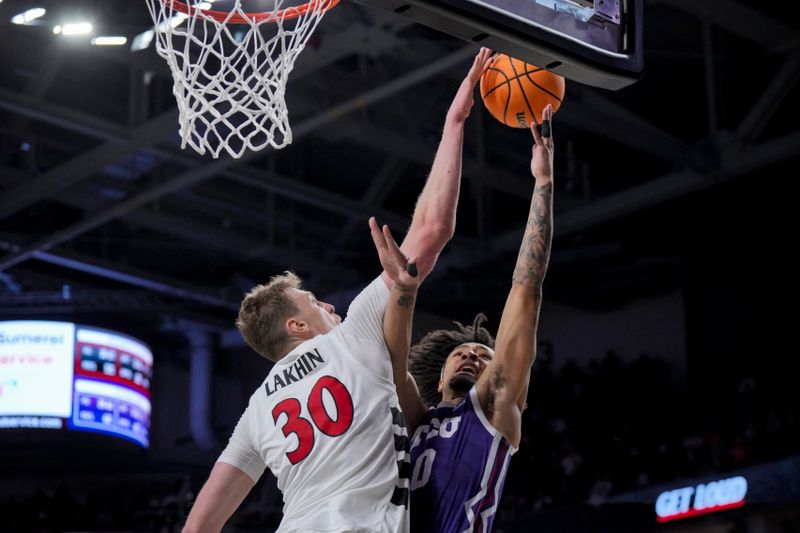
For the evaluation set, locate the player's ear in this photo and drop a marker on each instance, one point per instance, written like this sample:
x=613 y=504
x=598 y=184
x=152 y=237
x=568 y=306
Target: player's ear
x=296 y=326
x=441 y=385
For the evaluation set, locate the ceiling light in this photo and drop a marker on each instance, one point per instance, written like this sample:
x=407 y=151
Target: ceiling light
x=76 y=28
x=110 y=40
x=175 y=21
x=142 y=41
x=28 y=16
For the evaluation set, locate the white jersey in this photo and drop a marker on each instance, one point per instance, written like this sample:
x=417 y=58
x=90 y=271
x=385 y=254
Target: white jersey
x=327 y=423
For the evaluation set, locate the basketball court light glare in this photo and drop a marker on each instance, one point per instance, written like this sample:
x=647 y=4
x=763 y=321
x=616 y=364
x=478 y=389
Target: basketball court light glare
x=175 y=21
x=143 y=40
x=77 y=28
x=27 y=16
x=109 y=40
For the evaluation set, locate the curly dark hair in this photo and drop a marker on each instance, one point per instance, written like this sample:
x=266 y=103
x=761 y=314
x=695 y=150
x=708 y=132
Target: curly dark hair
x=426 y=358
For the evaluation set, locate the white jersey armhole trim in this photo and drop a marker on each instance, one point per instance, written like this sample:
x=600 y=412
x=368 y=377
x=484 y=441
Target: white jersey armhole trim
x=253 y=469
x=476 y=405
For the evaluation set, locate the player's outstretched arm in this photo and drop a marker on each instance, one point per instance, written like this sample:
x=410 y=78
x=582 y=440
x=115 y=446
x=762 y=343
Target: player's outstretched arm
x=434 y=220
x=222 y=494
x=503 y=386
x=397 y=319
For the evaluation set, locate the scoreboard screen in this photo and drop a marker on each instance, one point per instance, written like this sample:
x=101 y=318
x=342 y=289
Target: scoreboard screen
x=595 y=42
x=61 y=375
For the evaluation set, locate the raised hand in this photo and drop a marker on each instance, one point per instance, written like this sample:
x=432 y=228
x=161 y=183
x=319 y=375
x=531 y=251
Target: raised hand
x=542 y=154
x=402 y=271
x=463 y=100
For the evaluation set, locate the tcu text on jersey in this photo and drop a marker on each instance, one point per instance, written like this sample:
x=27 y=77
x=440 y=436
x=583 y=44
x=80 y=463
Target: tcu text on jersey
x=434 y=429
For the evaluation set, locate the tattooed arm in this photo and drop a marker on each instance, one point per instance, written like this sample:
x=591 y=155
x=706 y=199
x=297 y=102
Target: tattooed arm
x=397 y=332
x=397 y=319
x=503 y=387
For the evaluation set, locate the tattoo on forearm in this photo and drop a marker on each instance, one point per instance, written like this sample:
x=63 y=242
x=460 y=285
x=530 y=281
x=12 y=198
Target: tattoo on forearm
x=405 y=301
x=496 y=382
x=534 y=253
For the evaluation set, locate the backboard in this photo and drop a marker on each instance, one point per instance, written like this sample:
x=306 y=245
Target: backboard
x=596 y=42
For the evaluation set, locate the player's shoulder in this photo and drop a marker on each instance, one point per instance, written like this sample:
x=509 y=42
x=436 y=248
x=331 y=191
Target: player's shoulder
x=374 y=294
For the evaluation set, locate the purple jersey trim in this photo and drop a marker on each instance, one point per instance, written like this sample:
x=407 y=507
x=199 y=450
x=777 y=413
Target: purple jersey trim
x=492 y=497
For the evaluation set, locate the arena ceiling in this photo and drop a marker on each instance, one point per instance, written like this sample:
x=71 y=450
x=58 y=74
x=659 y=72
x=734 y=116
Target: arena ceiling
x=103 y=215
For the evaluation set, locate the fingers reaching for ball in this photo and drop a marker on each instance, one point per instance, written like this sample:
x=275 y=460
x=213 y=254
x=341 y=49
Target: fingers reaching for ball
x=542 y=151
x=482 y=61
x=543 y=132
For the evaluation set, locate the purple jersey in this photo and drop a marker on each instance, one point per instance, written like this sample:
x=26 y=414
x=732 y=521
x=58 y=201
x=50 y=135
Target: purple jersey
x=459 y=464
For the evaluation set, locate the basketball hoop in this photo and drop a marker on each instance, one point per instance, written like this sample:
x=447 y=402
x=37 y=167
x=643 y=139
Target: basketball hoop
x=230 y=69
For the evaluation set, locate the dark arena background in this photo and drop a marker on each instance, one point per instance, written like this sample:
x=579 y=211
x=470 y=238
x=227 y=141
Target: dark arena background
x=664 y=397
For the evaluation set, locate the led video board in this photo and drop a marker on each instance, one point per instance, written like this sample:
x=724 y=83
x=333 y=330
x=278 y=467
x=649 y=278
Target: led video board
x=61 y=375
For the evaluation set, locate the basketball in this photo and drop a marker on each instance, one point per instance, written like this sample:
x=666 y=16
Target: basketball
x=514 y=91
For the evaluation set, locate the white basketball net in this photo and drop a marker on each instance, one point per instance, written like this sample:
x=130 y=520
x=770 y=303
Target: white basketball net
x=230 y=75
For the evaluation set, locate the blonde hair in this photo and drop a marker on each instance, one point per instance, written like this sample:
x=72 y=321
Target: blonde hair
x=263 y=314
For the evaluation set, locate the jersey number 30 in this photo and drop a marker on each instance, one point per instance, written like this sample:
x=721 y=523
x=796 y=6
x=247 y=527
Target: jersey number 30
x=319 y=415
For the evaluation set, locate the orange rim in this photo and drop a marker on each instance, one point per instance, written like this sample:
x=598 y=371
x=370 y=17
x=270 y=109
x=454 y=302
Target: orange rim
x=251 y=18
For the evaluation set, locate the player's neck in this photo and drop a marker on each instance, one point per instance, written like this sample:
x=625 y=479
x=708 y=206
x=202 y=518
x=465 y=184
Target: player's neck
x=292 y=345
x=451 y=399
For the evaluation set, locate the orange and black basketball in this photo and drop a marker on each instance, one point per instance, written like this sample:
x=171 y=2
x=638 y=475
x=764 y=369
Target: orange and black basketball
x=514 y=91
